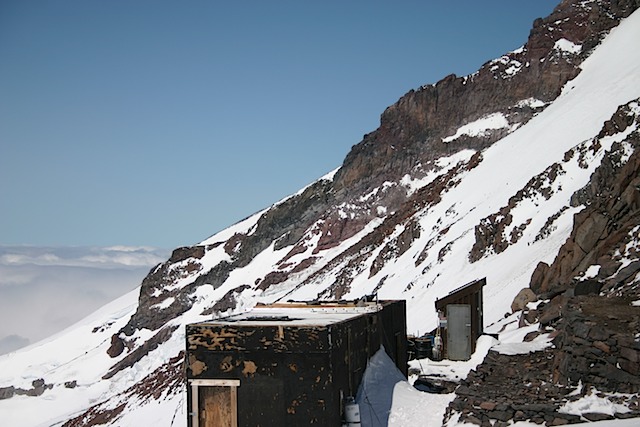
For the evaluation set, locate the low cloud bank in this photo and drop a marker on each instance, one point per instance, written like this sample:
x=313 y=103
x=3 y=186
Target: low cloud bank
x=43 y=290
x=13 y=342
x=81 y=256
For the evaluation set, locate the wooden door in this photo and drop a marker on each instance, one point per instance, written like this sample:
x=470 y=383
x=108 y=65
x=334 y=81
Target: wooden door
x=218 y=406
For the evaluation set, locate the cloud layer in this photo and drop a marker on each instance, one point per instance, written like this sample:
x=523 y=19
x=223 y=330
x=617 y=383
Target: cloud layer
x=46 y=289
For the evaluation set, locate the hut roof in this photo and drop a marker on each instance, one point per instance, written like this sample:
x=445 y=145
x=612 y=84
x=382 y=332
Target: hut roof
x=298 y=314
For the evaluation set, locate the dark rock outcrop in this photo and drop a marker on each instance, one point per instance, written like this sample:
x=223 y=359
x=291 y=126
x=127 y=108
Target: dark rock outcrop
x=505 y=388
x=595 y=347
x=117 y=346
x=596 y=344
x=608 y=223
x=411 y=130
x=38 y=387
x=132 y=358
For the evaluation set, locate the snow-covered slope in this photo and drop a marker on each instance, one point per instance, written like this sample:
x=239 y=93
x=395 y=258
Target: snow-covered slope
x=494 y=209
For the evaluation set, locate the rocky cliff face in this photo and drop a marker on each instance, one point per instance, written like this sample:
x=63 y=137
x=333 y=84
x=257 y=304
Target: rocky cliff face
x=408 y=143
x=606 y=231
x=411 y=130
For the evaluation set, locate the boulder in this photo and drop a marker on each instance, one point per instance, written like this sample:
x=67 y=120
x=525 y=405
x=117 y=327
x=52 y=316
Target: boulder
x=524 y=297
x=587 y=287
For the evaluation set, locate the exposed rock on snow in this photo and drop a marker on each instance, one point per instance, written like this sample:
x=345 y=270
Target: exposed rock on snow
x=611 y=215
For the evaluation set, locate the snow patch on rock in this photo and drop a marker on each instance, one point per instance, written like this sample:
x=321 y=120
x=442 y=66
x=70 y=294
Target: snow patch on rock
x=480 y=127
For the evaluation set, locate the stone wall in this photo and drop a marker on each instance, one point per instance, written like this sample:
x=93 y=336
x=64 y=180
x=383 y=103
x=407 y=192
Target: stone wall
x=517 y=388
x=596 y=350
x=599 y=344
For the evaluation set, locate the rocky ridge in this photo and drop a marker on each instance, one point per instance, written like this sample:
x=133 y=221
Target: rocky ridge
x=410 y=138
x=584 y=303
x=605 y=232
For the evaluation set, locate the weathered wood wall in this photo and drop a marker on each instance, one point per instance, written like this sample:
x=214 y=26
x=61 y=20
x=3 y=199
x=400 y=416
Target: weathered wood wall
x=294 y=375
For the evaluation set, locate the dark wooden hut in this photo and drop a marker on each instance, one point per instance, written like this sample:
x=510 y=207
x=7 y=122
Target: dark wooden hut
x=289 y=364
x=461 y=315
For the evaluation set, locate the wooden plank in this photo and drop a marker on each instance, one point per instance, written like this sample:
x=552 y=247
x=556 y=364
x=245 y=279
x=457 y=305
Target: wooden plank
x=218 y=407
x=234 y=407
x=195 y=421
x=224 y=382
x=305 y=305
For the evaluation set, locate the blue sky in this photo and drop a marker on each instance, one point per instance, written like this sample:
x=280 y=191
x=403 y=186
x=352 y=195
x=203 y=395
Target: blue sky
x=160 y=123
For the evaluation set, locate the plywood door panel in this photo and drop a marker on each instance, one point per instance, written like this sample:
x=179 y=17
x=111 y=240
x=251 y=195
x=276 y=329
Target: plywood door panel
x=217 y=406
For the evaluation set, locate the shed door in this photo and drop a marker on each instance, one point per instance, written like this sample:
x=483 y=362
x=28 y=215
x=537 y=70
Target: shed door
x=214 y=402
x=459 y=331
x=217 y=406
